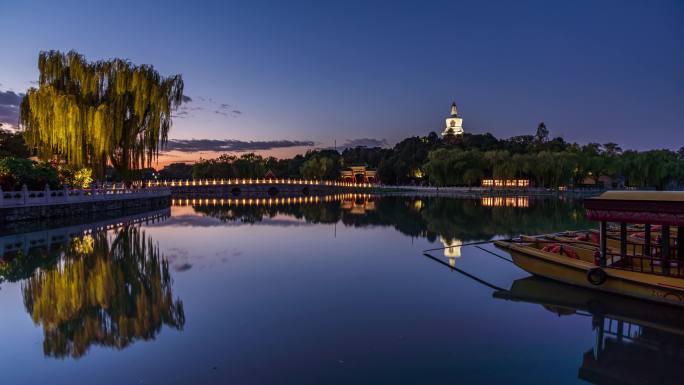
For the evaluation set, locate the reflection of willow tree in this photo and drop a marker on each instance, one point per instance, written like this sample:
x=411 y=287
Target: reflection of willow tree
x=463 y=219
x=107 y=291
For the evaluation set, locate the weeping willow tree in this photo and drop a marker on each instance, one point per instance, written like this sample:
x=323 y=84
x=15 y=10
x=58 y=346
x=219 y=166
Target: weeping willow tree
x=91 y=114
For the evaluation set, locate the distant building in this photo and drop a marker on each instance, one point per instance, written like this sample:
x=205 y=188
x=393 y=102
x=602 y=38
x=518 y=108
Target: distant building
x=506 y=183
x=359 y=174
x=454 y=123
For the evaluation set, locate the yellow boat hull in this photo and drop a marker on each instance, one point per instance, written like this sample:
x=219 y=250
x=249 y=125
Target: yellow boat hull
x=652 y=287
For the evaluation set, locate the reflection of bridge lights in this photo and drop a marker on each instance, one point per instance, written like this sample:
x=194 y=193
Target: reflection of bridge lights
x=355 y=203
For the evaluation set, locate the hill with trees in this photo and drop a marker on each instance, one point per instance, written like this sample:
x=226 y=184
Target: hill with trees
x=464 y=161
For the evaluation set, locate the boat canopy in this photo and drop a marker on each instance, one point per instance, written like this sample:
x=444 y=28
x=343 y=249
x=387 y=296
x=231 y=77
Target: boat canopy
x=646 y=207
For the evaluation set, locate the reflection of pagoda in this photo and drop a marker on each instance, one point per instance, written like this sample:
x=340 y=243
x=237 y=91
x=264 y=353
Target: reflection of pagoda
x=452 y=249
x=636 y=342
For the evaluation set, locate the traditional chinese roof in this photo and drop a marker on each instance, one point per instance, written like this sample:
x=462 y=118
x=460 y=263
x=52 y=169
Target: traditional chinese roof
x=653 y=207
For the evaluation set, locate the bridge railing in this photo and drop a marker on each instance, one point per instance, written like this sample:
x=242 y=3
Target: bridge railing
x=25 y=197
x=28 y=240
x=248 y=181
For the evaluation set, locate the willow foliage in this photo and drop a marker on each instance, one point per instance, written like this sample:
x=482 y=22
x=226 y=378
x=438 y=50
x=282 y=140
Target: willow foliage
x=95 y=113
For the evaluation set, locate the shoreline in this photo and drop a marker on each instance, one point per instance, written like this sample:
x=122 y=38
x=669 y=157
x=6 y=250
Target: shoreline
x=477 y=192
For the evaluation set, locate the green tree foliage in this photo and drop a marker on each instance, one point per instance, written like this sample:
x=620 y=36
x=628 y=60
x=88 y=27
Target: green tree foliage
x=76 y=178
x=655 y=168
x=13 y=144
x=176 y=171
x=455 y=167
x=542 y=135
x=93 y=113
x=467 y=159
x=17 y=172
x=316 y=168
x=406 y=157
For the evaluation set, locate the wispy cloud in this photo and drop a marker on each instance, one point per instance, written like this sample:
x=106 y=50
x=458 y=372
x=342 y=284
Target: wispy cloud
x=365 y=142
x=201 y=103
x=231 y=145
x=9 y=107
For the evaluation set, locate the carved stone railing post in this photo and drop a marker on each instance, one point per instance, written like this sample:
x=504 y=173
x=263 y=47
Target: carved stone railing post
x=47 y=193
x=24 y=193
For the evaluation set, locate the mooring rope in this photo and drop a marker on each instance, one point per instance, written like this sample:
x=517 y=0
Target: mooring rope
x=494 y=254
x=456 y=269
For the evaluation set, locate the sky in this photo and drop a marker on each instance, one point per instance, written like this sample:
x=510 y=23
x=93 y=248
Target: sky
x=282 y=77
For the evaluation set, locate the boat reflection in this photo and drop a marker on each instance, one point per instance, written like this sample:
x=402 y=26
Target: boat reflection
x=106 y=284
x=637 y=342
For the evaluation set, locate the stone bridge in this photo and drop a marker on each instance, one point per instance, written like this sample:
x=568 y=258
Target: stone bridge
x=234 y=188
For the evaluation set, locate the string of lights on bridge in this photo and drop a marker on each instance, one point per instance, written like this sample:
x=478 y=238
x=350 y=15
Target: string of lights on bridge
x=268 y=201
x=257 y=181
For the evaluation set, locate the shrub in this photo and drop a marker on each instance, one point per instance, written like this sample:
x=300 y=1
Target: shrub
x=16 y=172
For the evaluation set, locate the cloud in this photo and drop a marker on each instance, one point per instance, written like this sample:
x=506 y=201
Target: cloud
x=365 y=142
x=231 y=145
x=9 y=107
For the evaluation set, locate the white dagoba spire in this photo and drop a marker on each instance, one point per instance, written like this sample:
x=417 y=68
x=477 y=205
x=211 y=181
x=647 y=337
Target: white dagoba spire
x=454 y=123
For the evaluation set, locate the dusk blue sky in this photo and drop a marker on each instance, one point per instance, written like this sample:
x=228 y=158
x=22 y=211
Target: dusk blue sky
x=320 y=71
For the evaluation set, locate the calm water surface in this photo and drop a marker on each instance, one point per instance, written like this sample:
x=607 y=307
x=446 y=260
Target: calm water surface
x=334 y=291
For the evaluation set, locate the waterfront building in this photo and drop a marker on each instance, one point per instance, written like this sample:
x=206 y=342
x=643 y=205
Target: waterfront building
x=359 y=174
x=506 y=183
x=454 y=123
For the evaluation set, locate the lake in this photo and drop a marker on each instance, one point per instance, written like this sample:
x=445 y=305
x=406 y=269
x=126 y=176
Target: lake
x=315 y=290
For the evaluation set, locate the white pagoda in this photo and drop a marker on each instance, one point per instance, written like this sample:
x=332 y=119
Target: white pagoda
x=454 y=123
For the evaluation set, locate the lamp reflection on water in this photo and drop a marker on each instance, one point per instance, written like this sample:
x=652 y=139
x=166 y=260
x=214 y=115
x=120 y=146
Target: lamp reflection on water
x=520 y=201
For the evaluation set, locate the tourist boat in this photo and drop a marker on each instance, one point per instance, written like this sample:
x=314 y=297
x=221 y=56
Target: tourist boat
x=652 y=269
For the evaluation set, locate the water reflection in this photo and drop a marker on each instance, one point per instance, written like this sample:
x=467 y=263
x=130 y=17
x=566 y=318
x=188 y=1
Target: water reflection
x=447 y=219
x=452 y=250
x=106 y=285
x=636 y=342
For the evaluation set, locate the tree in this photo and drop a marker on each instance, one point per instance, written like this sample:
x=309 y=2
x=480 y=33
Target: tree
x=316 y=167
x=176 y=171
x=542 y=135
x=12 y=144
x=17 y=172
x=93 y=113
